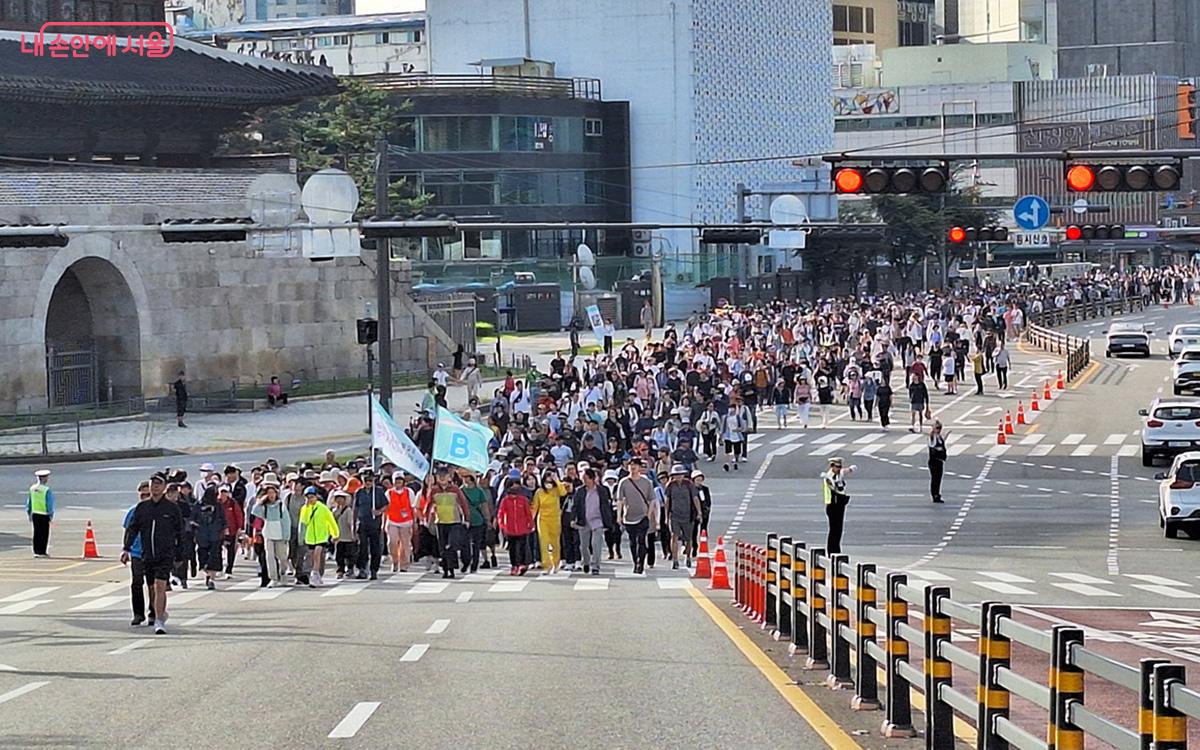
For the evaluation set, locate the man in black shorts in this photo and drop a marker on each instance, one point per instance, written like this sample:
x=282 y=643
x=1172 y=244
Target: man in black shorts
x=160 y=524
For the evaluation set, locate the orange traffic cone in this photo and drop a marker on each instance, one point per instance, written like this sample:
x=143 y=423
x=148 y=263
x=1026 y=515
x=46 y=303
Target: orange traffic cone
x=1008 y=425
x=1000 y=439
x=1060 y=385
x=703 y=567
x=1046 y=390
x=89 y=543
x=1020 y=413
x=720 y=574
x=1033 y=403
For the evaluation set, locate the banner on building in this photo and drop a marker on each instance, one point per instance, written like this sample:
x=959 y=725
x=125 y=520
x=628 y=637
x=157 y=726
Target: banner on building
x=394 y=444
x=459 y=442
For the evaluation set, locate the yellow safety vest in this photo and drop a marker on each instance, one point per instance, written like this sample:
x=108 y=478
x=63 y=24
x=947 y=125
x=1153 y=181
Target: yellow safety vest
x=37 y=499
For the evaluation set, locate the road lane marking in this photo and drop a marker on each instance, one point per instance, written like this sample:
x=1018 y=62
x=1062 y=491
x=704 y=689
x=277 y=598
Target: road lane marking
x=130 y=646
x=907 y=438
x=592 y=584
x=1128 y=450
x=1157 y=580
x=428 y=587
x=17 y=608
x=1168 y=591
x=508 y=587
x=104 y=602
x=464 y=597
x=438 y=626
x=1082 y=578
x=1005 y=577
x=180 y=598
x=32 y=593
x=263 y=595
x=1004 y=588
x=1041 y=450
x=199 y=619
x=346 y=589
x=870 y=437
x=1114 y=439
x=249 y=583
x=1114 y=518
x=1074 y=438
x=1032 y=439
x=912 y=450
x=674 y=583
x=826 y=449
x=829 y=438
x=415 y=652
x=1084 y=450
x=28 y=688
x=408 y=576
x=349 y=726
x=868 y=450
x=103 y=589
x=104 y=570
x=835 y=737
x=1084 y=589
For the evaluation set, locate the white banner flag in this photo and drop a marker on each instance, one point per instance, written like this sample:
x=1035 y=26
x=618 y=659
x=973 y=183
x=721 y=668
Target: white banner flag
x=393 y=443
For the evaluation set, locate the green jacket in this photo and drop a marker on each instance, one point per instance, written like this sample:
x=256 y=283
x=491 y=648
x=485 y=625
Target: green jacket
x=318 y=524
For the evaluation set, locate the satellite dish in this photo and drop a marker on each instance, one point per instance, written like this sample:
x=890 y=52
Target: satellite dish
x=788 y=210
x=329 y=197
x=587 y=277
x=584 y=255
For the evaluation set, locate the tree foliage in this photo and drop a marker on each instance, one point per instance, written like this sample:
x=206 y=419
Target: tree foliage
x=334 y=131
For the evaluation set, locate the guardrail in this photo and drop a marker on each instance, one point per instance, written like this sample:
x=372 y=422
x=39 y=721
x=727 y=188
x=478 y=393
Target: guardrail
x=1076 y=350
x=44 y=436
x=805 y=597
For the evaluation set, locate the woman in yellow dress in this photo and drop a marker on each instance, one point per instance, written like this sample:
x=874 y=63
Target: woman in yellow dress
x=546 y=511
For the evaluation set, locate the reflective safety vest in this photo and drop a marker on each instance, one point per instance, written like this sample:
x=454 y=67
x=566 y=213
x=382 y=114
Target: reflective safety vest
x=833 y=489
x=37 y=499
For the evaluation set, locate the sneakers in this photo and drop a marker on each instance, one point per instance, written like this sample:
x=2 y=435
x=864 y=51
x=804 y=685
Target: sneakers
x=374 y=576
x=596 y=570
x=675 y=565
x=228 y=576
x=208 y=584
x=512 y=571
x=137 y=622
x=175 y=581
x=587 y=569
x=272 y=585
x=160 y=628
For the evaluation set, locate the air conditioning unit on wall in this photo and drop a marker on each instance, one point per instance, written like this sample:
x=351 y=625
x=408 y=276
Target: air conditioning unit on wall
x=641 y=243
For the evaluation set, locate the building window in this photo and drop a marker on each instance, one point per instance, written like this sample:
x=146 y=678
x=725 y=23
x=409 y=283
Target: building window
x=855 y=19
x=526 y=134
x=324 y=41
x=461 y=188
x=870 y=24
x=593 y=188
x=593 y=126
x=382 y=38
x=416 y=37
x=841 y=16
x=473 y=133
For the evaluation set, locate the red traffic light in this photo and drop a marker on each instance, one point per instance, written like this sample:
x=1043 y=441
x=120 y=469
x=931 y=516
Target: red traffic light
x=958 y=235
x=848 y=180
x=1074 y=233
x=1081 y=178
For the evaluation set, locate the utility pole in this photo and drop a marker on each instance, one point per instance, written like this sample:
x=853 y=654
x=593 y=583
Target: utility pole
x=383 y=277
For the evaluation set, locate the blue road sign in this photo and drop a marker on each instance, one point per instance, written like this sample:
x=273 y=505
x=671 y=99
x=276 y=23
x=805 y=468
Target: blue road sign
x=1031 y=212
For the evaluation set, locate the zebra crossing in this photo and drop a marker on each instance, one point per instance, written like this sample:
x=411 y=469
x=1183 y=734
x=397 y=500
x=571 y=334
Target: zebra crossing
x=86 y=599
x=987 y=583
x=871 y=441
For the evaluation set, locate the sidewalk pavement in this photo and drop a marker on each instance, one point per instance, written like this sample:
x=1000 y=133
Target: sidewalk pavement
x=541 y=348
x=330 y=420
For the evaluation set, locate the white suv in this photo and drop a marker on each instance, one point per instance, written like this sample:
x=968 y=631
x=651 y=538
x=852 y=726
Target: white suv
x=1182 y=337
x=1185 y=370
x=1171 y=426
x=1179 y=495
x=1123 y=338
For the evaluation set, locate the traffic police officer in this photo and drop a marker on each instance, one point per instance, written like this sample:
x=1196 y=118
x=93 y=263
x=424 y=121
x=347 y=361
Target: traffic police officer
x=833 y=486
x=40 y=509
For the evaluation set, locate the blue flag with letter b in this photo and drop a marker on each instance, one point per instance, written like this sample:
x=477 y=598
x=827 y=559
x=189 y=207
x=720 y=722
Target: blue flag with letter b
x=459 y=442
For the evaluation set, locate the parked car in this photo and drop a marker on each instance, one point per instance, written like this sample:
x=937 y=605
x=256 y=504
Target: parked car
x=1179 y=495
x=1127 y=338
x=1183 y=336
x=1170 y=427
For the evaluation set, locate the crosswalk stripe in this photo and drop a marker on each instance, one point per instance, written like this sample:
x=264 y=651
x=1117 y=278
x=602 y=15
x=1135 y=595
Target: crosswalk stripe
x=1041 y=450
x=1033 y=439
x=1157 y=580
x=1074 y=438
x=346 y=589
x=1128 y=450
x=1082 y=578
x=104 y=602
x=870 y=437
x=829 y=438
x=591 y=584
x=428 y=587
x=790 y=437
x=508 y=587
x=264 y=595
x=907 y=438
x=180 y=598
x=997 y=450
x=415 y=652
x=1114 y=439
x=18 y=607
x=249 y=583
x=954 y=450
x=786 y=449
x=825 y=450
x=1084 y=450
x=103 y=589
x=912 y=450
x=674 y=583
x=868 y=450
x=1084 y=589
x=1004 y=588
x=986 y=440
x=1168 y=591
x=32 y=593
x=933 y=575
x=1006 y=577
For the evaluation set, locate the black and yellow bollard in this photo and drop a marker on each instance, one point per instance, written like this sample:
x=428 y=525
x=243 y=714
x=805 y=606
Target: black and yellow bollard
x=839 y=617
x=1146 y=701
x=1066 y=687
x=1170 y=725
x=939 y=716
x=898 y=720
x=995 y=652
x=800 y=589
x=783 y=604
x=770 y=588
x=866 y=684
x=818 y=653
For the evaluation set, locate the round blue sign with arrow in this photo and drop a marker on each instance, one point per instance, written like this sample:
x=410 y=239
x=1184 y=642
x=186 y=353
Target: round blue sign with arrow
x=1032 y=212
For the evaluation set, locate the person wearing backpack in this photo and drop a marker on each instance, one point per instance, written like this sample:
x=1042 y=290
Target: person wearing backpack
x=276 y=528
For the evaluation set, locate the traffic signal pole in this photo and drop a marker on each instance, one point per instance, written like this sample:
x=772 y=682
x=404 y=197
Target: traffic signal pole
x=383 y=277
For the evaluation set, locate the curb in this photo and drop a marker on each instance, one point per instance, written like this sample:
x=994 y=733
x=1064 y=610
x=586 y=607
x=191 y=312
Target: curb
x=62 y=458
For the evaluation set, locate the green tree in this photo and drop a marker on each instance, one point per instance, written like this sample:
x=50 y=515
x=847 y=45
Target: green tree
x=334 y=131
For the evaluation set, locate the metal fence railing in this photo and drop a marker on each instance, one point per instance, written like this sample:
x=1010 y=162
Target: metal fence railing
x=1075 y=349
x=805 y=597
x=42 y=437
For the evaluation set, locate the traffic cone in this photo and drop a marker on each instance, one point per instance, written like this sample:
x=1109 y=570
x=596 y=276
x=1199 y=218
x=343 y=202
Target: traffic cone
x=1000 y=439
x=703 y=566
x=1060 y=385
x=1020 y=413
x=89 y=543
x=1008 y=425
x=1033 y=402
x=720 y=574
x=1046 y=390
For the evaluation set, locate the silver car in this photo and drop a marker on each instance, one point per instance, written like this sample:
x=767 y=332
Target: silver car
x=1179 y=495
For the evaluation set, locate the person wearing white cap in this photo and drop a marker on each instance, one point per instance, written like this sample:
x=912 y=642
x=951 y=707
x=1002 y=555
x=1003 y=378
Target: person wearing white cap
x=833 y=487
x=39 y=507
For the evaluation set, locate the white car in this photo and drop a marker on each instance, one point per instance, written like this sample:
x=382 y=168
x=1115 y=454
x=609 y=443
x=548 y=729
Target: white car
x=1179 y=495
x=1171 y=426
x=1185 y=370
x=1125 y=338
x=1183 y=336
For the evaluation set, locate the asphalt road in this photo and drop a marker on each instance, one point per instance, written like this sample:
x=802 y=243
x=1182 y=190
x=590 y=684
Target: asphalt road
x=1061 y=522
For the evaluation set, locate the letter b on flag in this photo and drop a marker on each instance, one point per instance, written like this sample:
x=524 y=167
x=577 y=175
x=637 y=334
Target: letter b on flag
x=460 y=446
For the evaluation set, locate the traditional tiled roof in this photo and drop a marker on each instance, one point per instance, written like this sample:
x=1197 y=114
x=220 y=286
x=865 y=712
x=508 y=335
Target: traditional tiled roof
x=110 y=185
x=193 y=74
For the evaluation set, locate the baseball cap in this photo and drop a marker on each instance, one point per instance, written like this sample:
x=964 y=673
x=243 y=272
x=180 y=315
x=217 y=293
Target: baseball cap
x=310 y=491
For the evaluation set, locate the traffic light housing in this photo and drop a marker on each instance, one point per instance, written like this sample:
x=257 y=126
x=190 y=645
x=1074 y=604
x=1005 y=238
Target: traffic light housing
x=204 y=230
x=1123 y=178
x=730 y=236
x=32 y=235
x=867 y=180
x=959 y=235
x=1084 y=232
x=368 y=330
